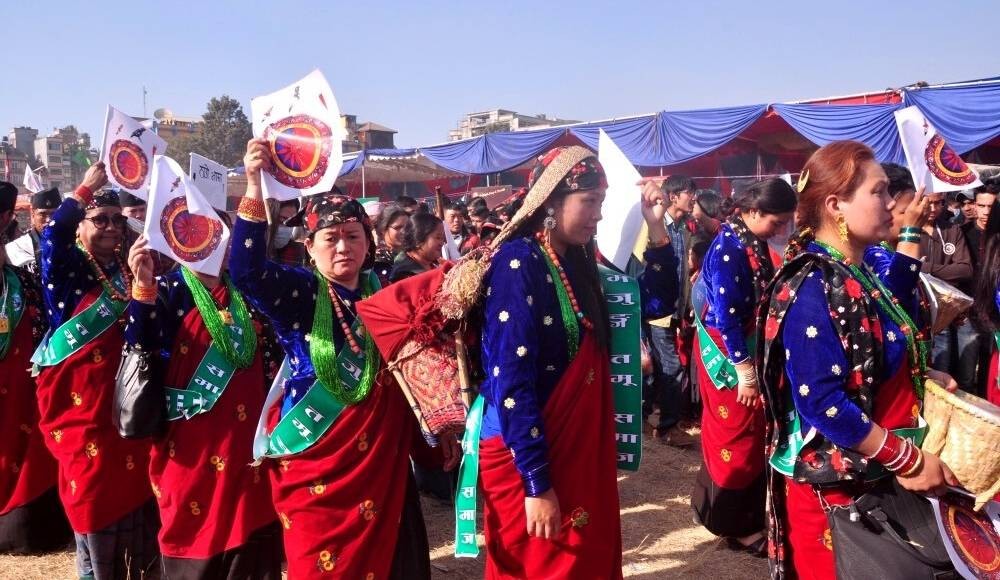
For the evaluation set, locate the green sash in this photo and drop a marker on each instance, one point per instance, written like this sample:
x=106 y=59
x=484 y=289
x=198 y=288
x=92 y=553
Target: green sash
x=13 y=309
x=313 y=415
x=78 y=331
x=466 y=500
x=625 y=316
x=783 y=457
x=206 y=385
x=717 y=365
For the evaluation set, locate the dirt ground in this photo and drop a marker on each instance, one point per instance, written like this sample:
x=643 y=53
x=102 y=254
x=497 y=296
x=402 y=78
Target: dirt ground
x=660 y=539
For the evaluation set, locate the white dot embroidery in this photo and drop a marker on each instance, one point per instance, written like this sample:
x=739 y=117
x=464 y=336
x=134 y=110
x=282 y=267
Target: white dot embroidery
x=61 y=305
x=835 y=369
x=515 y=264
x=722 y=290
x=295 y=326
x=180 y=312
x=535 y=432
x=248 y=243
x=732 y=311
x=152 y=314
x=547 y=321
x=804 y=390
x=831 y=412
x=530 y=300
x=891 y=336
x=725 y=258
x=913 y=267
x=496 y=371
x=504 y=316
x=509 y=402
x=737 y=354
x=522 y=350
x=811 y=332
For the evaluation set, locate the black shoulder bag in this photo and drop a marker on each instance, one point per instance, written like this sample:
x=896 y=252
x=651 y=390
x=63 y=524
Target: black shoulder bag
x=140 y=401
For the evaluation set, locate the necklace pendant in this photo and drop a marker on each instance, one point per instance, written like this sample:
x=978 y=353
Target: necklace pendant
x=227 y=317
x=4 y=324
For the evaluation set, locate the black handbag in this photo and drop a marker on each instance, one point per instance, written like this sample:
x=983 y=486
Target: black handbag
x=888 y=533
x=140 y=401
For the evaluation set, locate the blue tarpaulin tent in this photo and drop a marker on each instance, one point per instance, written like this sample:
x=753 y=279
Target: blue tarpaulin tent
x=967 y=114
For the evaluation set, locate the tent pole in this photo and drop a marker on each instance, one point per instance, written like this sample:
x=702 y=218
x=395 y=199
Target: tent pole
x=363 y=179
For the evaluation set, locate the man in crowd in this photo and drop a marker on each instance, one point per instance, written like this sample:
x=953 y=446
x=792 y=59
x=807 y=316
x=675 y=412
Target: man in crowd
x=967 y=205
x=25 y=250
x=132 y=206
x=454 y=222
x=986 y=196
x=666 y=385
x=947 y=257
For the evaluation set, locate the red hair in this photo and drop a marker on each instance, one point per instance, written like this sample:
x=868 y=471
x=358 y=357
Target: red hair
x=837 y=168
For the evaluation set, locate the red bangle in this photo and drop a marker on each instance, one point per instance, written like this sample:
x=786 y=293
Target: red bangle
x=890 y=451
x=252 y=209
x=84 y=193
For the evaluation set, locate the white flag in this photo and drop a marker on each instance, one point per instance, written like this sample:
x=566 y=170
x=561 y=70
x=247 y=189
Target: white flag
x=934 y=165
x=210 y=177
x=127 y=151
x=31 y=181
x=180 y=222
x=619 y=229
x=302 y=125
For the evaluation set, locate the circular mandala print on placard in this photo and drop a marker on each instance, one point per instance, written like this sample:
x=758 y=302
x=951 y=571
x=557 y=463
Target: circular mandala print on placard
x=300 y=148
x=192 y=237
x=129 y=165
x=945 y=164
x=975 y=538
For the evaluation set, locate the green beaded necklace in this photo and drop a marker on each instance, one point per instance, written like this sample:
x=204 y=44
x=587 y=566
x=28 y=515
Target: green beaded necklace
x=323 y=351
x=569 y=318
x=916 y=349
x=212 y=316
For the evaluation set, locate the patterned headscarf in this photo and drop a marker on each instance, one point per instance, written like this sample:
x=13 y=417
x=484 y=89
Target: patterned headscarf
x=332 y=209
x=104 y=198
x=585 y=175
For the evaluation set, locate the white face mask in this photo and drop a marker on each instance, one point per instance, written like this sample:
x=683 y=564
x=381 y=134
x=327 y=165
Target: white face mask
x=282 y=235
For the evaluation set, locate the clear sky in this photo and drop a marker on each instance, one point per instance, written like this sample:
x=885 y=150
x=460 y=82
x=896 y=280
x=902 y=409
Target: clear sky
x=418 y=66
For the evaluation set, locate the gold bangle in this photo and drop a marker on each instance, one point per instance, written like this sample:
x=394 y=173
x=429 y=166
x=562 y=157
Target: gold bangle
x=144 y=293
x=252 y=209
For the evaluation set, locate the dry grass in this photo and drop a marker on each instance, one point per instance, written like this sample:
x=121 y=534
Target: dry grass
x=660 y=539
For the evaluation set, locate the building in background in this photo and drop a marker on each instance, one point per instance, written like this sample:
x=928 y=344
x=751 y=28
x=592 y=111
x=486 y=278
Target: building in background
x=499 y=121
x=171 y=127
x=366 y=135
x=12 y=164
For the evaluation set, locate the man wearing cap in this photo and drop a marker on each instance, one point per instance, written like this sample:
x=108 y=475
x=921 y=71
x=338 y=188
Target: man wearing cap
x=25 y=250
x=132 y=206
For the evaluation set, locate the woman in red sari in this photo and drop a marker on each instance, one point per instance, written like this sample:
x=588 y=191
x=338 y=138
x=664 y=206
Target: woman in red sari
x=103 y=479
x=842 y=360
x=547 y=445
x=215 y=507
x=728 y=497
x=336 y=434
x=31 y=519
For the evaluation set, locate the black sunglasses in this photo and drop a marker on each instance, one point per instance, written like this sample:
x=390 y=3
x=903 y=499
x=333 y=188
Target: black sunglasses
x=101 y=221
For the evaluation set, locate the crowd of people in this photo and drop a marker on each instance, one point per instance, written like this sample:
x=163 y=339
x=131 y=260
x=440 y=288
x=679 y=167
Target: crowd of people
x=788 y=322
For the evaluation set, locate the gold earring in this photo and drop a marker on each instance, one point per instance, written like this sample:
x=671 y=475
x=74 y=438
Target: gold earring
x=842 y=227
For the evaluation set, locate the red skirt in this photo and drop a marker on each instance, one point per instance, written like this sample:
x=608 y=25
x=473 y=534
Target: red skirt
x=340 y=501
x=992 y=388
x=732 y=435
x=808 y=531
x=211 y=500
x=27 y=469
x=580 y=432
x=102 y=477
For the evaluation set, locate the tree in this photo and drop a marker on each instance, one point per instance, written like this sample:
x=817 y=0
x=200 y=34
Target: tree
x=225 y=131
